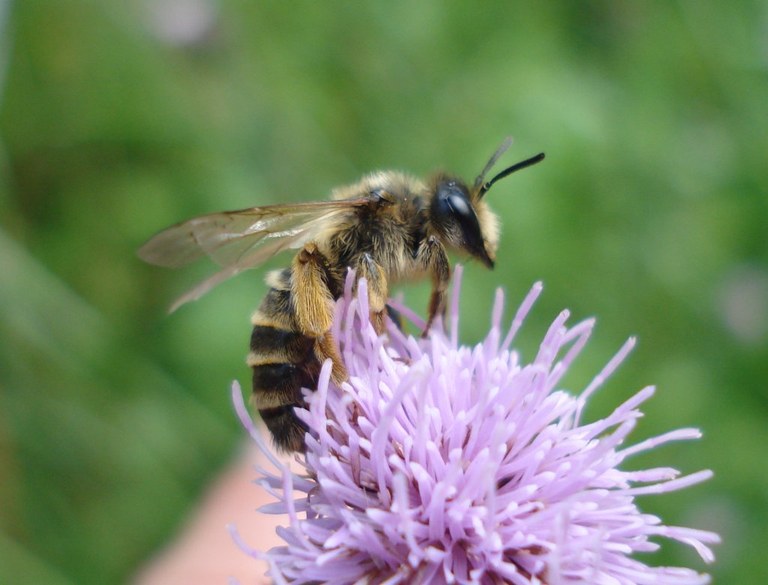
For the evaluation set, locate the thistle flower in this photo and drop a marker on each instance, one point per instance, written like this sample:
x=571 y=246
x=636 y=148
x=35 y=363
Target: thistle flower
x=442 y=463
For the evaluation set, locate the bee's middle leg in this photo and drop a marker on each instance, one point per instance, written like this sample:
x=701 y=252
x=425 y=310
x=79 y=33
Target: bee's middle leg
x=314 y=305
x=377 y=290
x=435 y=261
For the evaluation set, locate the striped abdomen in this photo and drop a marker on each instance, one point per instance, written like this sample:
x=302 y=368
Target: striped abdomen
x=283 y=361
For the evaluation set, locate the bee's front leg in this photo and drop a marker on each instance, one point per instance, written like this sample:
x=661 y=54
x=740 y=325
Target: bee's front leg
x=377 y=290
x=434 y=259
x=314 y=305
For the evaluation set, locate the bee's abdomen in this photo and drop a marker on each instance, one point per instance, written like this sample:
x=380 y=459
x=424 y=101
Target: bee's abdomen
x=283 y=361
x=270 y=339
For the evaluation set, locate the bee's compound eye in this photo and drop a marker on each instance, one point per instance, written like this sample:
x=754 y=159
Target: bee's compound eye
x=451 y=203
x=459 y=205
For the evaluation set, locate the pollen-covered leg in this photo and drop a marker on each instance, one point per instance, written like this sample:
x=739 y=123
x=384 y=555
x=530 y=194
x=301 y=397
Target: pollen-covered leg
x=312 y=299
x=325 y=347
x=377 y=290
x=314 y=305
x=435 y=261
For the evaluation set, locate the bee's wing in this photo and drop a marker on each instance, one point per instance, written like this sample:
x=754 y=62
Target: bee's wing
x=238 y=240
x=229 y=236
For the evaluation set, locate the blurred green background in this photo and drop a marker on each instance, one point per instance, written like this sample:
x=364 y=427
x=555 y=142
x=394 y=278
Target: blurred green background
x=120 y=118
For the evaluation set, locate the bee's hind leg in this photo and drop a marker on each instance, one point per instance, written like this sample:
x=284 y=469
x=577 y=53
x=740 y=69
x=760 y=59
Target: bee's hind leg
x=314 y=305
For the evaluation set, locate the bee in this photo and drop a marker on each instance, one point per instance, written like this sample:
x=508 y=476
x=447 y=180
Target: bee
x=388 y=227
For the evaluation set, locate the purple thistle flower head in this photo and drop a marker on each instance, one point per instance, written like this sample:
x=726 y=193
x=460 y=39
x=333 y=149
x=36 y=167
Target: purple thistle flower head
x=442 y=463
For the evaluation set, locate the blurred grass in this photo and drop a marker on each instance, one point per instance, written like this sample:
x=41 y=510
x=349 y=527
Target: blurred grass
x=116 y=120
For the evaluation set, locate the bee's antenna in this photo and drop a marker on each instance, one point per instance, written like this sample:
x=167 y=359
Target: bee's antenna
x=489 y=165
x=508 y=171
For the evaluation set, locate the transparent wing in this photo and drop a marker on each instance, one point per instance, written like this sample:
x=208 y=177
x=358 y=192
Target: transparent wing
x=229 y=236
x=238 y=240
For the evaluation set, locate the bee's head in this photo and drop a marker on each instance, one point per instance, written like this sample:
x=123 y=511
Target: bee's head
x=461 y=216
x=462 y=224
